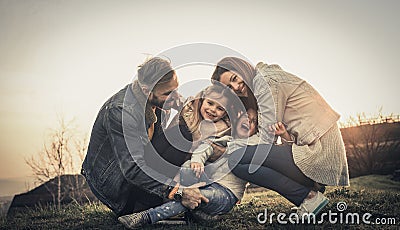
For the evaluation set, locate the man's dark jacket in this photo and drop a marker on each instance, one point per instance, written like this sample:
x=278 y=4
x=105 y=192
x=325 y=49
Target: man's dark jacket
x=114 y=165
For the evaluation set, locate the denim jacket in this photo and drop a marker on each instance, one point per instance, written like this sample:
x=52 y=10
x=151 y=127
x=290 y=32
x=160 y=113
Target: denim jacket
x=114 y=163
x=294 y=102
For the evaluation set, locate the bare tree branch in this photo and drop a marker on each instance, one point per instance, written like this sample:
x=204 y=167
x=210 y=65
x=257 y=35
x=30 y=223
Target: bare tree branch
x=58 y=158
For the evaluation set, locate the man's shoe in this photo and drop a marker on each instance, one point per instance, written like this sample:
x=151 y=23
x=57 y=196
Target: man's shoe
x=135 y=220
x=313 y=205
x=202 y=217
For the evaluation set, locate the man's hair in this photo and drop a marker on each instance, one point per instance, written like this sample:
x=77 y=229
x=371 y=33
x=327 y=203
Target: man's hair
x=154 y=72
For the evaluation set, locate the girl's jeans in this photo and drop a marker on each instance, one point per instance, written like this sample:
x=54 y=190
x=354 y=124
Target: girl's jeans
x=221 y=201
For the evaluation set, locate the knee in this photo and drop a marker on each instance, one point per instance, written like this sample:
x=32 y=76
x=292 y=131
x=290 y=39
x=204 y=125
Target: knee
x=213 y=193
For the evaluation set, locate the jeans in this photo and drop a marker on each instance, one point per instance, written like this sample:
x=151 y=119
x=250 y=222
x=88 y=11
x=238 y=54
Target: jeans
x=221 y=201
x=188 y=176
x=278 y=172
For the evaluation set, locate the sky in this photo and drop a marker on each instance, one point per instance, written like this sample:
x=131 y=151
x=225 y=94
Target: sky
x=66 y=58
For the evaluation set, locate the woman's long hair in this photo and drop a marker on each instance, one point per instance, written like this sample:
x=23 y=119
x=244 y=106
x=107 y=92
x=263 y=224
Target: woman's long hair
x=242 y=68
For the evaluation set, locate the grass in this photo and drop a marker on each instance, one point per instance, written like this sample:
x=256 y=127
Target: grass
x=376 y=195
x=375 y=182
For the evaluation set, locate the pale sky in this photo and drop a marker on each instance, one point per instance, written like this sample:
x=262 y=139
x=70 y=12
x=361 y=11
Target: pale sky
x=68 y=57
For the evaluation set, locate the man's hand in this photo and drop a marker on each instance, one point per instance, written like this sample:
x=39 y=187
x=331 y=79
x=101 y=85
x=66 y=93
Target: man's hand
x=191 y=197
x=198 y=168
x=218 y=151
x=178 y=103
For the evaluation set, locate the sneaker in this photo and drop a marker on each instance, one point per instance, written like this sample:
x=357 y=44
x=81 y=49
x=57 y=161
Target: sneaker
x=313 y=205
x=135 y=220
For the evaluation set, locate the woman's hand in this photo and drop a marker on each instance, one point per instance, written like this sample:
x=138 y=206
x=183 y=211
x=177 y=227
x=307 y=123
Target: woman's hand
x=198 y=168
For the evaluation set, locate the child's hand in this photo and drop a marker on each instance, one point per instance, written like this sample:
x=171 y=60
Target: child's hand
x=197 y=167
x=278 y=128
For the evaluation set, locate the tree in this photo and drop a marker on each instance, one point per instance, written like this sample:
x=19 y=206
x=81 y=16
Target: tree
x=371 y=144
x=77 y=186
x=59 y=158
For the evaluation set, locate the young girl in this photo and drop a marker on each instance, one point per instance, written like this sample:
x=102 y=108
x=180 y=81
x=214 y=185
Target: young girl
x=208 y=113
x=205 y=115
x=222 y=195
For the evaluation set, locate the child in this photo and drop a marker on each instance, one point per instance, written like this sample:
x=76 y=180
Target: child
x=203 y=116
x=222 y=195
x=207 y=114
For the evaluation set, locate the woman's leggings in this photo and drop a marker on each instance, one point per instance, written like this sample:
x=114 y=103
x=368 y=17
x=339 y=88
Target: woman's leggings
x=173 y=146
x=277 y=172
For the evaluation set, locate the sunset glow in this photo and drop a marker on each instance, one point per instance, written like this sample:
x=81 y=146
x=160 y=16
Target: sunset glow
x=68 y=57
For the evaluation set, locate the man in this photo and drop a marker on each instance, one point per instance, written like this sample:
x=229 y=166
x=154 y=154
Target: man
x=114 y=166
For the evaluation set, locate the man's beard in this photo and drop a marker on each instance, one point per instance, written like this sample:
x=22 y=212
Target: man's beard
x=159 y=103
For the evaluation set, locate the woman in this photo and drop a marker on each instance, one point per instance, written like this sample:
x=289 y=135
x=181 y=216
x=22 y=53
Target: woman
x=315 y=153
